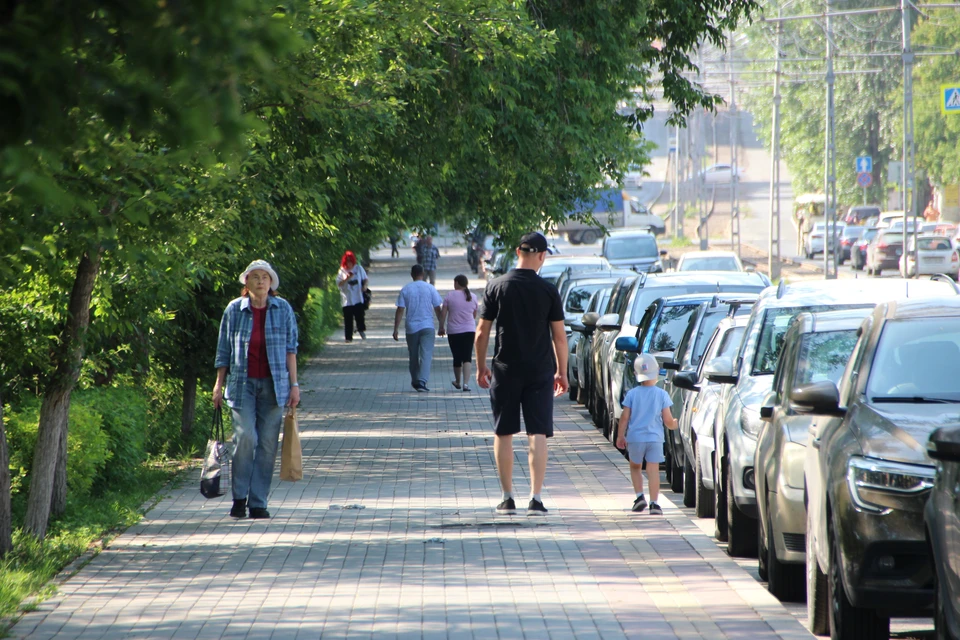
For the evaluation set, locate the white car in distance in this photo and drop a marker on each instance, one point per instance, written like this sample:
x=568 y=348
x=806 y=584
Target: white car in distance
x=710 y=261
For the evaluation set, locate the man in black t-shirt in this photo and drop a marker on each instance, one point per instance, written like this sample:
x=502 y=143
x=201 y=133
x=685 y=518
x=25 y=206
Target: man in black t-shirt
x=529 y=364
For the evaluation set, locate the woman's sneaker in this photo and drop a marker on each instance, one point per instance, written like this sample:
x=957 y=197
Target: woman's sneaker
x=655 y=509
x=640 y=504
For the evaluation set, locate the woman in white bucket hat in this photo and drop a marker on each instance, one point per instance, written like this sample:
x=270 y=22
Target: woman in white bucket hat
x=257 y=376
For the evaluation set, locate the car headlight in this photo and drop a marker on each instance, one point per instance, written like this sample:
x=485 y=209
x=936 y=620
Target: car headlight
x=878 y=486
x=751 y=422
x=791 y=464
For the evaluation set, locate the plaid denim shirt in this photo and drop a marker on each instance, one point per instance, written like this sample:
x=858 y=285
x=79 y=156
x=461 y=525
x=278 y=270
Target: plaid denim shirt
x=428 y=257
x=233 y=346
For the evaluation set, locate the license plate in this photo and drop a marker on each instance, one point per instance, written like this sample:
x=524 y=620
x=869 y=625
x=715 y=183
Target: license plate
x=931 y=260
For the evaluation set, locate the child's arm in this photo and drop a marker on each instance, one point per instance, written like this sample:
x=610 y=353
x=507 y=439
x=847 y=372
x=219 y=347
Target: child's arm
x=622 y=431
x=668 y=419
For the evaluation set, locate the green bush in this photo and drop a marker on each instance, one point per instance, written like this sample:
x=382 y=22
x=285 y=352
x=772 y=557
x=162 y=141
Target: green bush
x=124 y=414
x=322 y=315
x=88 y=445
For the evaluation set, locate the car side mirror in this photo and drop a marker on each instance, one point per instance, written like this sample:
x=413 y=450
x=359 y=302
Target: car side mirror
x=628 y=344
x=686 y=380
x=822 y=398
x=720 y=370
x=944 y=444
x=590 y=318
x=671 y=366
x=609 y=322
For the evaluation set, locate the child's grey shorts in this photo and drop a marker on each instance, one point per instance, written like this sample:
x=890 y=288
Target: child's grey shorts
x=652 y=452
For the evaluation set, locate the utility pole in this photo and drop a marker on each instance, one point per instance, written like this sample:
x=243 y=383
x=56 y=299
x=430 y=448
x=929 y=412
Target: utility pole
x=830 y=165
x=773 y=249
x=908 y=190
x=734 y=139
x=701 y=187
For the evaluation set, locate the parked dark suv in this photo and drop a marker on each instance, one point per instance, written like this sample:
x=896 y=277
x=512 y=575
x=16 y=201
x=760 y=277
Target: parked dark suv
x=867 y=472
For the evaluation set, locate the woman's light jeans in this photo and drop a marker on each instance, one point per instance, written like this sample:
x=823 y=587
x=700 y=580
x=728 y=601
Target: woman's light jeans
x=256 y=435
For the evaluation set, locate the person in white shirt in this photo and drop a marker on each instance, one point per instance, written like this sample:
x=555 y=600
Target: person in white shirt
x=352 y=281
x=420 y=301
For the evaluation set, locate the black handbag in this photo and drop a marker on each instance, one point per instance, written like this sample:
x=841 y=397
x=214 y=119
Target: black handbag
x=215 y=476
x=367 y=296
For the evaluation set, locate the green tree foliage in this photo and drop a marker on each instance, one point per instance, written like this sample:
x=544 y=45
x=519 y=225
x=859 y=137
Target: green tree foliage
x=938 y=153
x=151 y=148
x=865 y=102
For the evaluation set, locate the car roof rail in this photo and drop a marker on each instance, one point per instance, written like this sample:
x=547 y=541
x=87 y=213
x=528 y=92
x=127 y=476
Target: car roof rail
x=781 y=288
x=942 y=277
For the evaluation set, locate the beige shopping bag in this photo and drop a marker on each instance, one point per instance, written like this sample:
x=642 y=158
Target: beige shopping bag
x=291 y=458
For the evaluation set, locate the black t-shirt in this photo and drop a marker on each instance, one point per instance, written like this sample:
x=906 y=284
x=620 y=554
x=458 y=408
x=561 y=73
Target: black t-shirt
x=523 y=305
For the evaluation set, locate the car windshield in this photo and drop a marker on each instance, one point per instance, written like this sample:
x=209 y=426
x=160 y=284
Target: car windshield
x=631 y=247
x=670 y=327
x=917 y=360
x=775 y=323
x=579 y=295
x=711 y=263
x=706 y=329
x=823 y=356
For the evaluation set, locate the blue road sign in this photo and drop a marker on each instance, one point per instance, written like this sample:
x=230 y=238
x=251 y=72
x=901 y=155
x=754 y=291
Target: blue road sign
x=949 y=98
x=865 y=164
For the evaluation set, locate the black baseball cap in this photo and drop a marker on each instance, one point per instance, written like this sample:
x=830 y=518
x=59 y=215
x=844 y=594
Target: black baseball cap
x=533 y=243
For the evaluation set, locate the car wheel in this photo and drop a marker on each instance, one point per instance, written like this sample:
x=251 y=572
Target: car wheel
x=667 y=465
x=761 y=553
x=741 y=529
x=818 y=607
x=787 y=582
x=848 y=622
x=720 y=502
x=876 y=272
x=601 y=421
x=676 y=479
x=704 y=498
x=574 y=392
x=588 y=237
x=689 y=484
x=581 y=395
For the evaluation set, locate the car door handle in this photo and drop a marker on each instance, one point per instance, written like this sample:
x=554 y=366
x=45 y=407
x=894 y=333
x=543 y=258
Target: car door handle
x=816 y=443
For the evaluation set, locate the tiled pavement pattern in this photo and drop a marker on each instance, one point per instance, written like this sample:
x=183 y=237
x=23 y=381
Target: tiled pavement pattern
x=392 y=533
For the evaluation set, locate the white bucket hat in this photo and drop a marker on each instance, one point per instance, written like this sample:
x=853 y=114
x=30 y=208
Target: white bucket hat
x=646 y=367
x=264 y=266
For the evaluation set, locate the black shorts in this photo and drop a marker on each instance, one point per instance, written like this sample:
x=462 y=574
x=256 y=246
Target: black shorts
x=461 y=346
x=509 y=395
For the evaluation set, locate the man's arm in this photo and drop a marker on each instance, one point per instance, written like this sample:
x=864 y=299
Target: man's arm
x=439 y=312
x=396 y=323
x=480 y=343
x=561 y=384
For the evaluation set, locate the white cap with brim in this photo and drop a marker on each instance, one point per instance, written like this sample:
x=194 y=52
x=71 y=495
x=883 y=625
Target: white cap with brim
x=263 y=265
x=646 y=367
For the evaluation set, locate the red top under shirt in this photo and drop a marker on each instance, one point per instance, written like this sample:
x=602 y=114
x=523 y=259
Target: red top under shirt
x=257 y=364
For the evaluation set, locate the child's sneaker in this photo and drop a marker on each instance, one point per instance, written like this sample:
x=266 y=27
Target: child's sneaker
x=655 y=509
x=639 y=504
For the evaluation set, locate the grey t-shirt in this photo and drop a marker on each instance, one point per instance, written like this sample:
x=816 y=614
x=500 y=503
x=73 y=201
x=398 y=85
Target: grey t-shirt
x=418 y=298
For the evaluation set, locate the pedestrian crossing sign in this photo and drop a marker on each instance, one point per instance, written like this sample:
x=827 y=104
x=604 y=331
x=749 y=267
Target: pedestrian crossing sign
x=950 y=98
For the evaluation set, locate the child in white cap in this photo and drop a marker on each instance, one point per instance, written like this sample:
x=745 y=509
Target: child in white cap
x=646 y=410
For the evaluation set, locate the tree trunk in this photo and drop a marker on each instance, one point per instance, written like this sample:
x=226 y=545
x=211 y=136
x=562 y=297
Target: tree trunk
x=6 y=519
x=189 y=413
x=58 y=500
x=55 y=409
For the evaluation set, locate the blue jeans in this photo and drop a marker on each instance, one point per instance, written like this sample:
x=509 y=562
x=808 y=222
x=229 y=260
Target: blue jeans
x=420 y=349
x=256 y=434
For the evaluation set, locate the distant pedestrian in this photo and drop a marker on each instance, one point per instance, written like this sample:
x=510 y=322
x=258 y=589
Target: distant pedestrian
x=427 y=256
x=459 y=316
x=257 y=347
x=931 y=213
x=394 y=242
x=646 y=410
x=529 y=364
x=420 y=301
x=352 y=281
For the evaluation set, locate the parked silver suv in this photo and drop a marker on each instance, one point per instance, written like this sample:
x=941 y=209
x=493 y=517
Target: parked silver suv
x=748 y=378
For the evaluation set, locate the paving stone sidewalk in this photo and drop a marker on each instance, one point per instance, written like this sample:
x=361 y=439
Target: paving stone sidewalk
x=392 y=534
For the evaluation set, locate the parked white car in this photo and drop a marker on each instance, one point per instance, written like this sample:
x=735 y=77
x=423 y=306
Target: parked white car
x=937 y=255
x=720 y=174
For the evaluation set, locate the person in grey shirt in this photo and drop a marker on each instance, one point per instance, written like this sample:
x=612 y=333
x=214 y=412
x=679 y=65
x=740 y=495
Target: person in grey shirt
x=420 y=301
